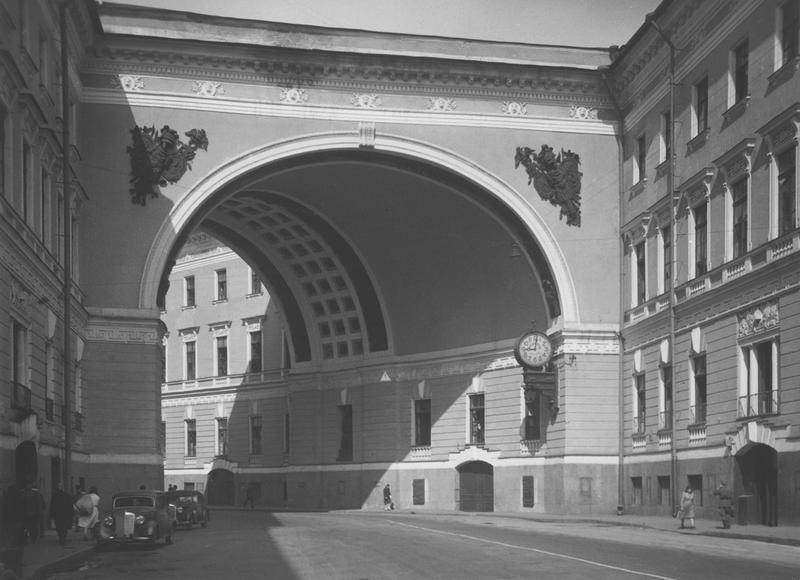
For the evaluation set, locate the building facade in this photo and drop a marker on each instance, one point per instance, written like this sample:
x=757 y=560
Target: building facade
x=710 y=375
x=410 y=206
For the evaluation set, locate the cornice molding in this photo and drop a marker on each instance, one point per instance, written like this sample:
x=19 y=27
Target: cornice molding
x=124 y=330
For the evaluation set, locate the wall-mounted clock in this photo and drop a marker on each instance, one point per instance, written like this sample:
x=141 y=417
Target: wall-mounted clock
x=533 y=349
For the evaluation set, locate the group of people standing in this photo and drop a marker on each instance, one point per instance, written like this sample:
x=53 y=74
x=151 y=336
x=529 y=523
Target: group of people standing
x=725 y=507
x=23 y=512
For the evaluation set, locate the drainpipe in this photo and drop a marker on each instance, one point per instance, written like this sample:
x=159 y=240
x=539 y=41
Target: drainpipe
x=66 y=188
x=621 y=357
x=673 y=256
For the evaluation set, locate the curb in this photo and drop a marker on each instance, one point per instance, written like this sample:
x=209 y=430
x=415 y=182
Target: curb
x=42 y=571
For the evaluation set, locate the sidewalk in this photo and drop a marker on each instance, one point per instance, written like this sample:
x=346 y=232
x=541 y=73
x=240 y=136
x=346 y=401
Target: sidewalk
x=41 y=558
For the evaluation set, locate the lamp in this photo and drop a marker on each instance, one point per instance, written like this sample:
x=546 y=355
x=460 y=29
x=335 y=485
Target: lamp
x=515 y=251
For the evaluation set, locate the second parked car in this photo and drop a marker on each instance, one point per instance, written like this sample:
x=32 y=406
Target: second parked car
x=190 y=507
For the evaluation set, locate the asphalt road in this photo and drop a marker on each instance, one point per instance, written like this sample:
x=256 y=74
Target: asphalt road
x=361 y=545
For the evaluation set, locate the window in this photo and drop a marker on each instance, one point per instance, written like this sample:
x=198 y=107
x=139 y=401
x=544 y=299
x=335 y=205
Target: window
x=787 y=196
x=640 y=167
x=639 y=404
x=255 y=282
x=527 y=491
x=190 y=351
x=222 y=436
x=758 y=379
x=422 y=422
x=255 y=435
x=27 y=181
x=665 y=384
x=739 y=200
x=699 y=215
x=44 y=61
x=49 y=401
x=665 y=258
x=44 y=202
x=697 y=387
x=666 y=137
x=222 y=355
x=163 y=438
x=636 y=485
x=739 y=73
x=191 y=438
x=664 y=490
x=3 y=121
x=640 y=292
x=60 y=232
x=188 y=291
x=19 y=354
x=789 y=30
x=476 y=419
x=345 y=433
x=696 y=483
x=255 y=363
x=700 y=109
x=533 y=415
x=221 y=289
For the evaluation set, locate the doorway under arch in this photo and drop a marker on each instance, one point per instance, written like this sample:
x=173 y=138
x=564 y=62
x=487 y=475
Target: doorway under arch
x=26 y=464
x=758 y=469
x=220 y=487
x=476 y=486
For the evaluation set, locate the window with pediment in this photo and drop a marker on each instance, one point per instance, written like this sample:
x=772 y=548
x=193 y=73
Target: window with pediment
x=735 y=166
x=781 y=140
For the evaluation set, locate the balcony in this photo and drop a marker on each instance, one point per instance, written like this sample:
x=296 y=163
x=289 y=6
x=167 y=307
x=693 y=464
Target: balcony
x=530 y=446
x=758 y=404
x=233 y=380
x=421 y=452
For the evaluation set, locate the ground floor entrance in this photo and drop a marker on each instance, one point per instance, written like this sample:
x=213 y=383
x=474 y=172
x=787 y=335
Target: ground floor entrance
x=476 y=487
x=757 y=466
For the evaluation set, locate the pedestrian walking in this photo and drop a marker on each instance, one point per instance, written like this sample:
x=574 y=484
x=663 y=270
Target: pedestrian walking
x=34 y=512
x=62 y=511
x=12 y=529
x=725 y=504
x=388 y=504
x=250 y=496
x=687 y=507
x=88 y=511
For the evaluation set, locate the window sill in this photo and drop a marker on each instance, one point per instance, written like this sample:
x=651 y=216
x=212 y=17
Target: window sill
x=783 y=74
x=254 y=295
x=735 y=111
x=187 y=307
x=663 y=168
x=637 y=188
x=698 y=141
x=219 y=301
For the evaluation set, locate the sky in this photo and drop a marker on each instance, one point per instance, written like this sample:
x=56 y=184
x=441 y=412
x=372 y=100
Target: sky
x=586 y=23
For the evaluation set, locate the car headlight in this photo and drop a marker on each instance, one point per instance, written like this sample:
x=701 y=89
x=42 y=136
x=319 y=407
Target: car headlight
x=180 y=510
x=139 y=519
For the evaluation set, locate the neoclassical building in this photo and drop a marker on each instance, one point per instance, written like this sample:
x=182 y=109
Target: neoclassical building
x=379 y=187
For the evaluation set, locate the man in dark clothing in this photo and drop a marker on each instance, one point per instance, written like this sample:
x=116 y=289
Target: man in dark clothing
x=12 y=531
x=725 y=504
x=34 y=512
x=62 y=511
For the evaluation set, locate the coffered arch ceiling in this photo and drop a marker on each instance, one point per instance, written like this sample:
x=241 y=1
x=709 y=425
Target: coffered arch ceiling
x=369 y=253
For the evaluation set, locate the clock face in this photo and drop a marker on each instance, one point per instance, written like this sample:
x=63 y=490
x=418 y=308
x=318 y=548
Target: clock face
x=534 y=349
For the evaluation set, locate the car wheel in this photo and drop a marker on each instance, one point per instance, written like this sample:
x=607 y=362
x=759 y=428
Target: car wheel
x=168 y=539
x=190 y=523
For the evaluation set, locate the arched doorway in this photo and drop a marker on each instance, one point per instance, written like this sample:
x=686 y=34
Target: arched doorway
x=220 y=488
x=27 y=469
x=758 y=470
x=476 y=487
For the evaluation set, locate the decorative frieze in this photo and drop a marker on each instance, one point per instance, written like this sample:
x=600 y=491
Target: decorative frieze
x=128 y=83
x=294 y=96
x=514 y=108
x=582 y=112
x=760 y=318
x=441 y=105
x=366 y=100
x=124 y=331
x=208 y=88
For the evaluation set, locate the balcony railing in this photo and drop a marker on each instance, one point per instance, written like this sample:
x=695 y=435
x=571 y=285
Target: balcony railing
x=21 y=397
x=757 y=404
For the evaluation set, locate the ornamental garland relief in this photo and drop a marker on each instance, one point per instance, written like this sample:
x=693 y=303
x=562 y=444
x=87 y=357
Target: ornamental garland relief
x=581 y=112
x=208 y=88
x=366 y=101
x=294 y=96
x=758 y=319
x=128 y=83
x=441 y=105
x=514 y=108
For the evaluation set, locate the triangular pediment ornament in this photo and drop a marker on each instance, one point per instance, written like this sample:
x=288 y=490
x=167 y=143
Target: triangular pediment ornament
x=696 y=189
x=782 y=130
x=737 y=161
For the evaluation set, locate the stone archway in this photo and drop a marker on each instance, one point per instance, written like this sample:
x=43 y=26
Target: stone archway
x=757 y=477
x=186 y=208
x=220 y=488
x=476 y=486
x=26 y=464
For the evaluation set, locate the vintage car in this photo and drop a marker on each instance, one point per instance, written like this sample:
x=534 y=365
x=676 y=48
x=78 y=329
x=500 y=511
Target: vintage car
x=190 y=507
x=138 y=516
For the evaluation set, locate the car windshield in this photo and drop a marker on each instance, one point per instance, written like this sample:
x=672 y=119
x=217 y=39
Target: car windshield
x=185 y=499
x=133 y=501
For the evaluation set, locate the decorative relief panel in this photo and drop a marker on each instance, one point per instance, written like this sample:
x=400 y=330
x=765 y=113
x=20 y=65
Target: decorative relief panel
x=208 y=88
x=514 y=108
x=581 y=112
x=128 y=83
x=736 y=162
x=697 y=188
x=294 y=96
x=758 y=319
x=366 y=101
x=441 y=105
x=782 y=130
x=126 y=331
